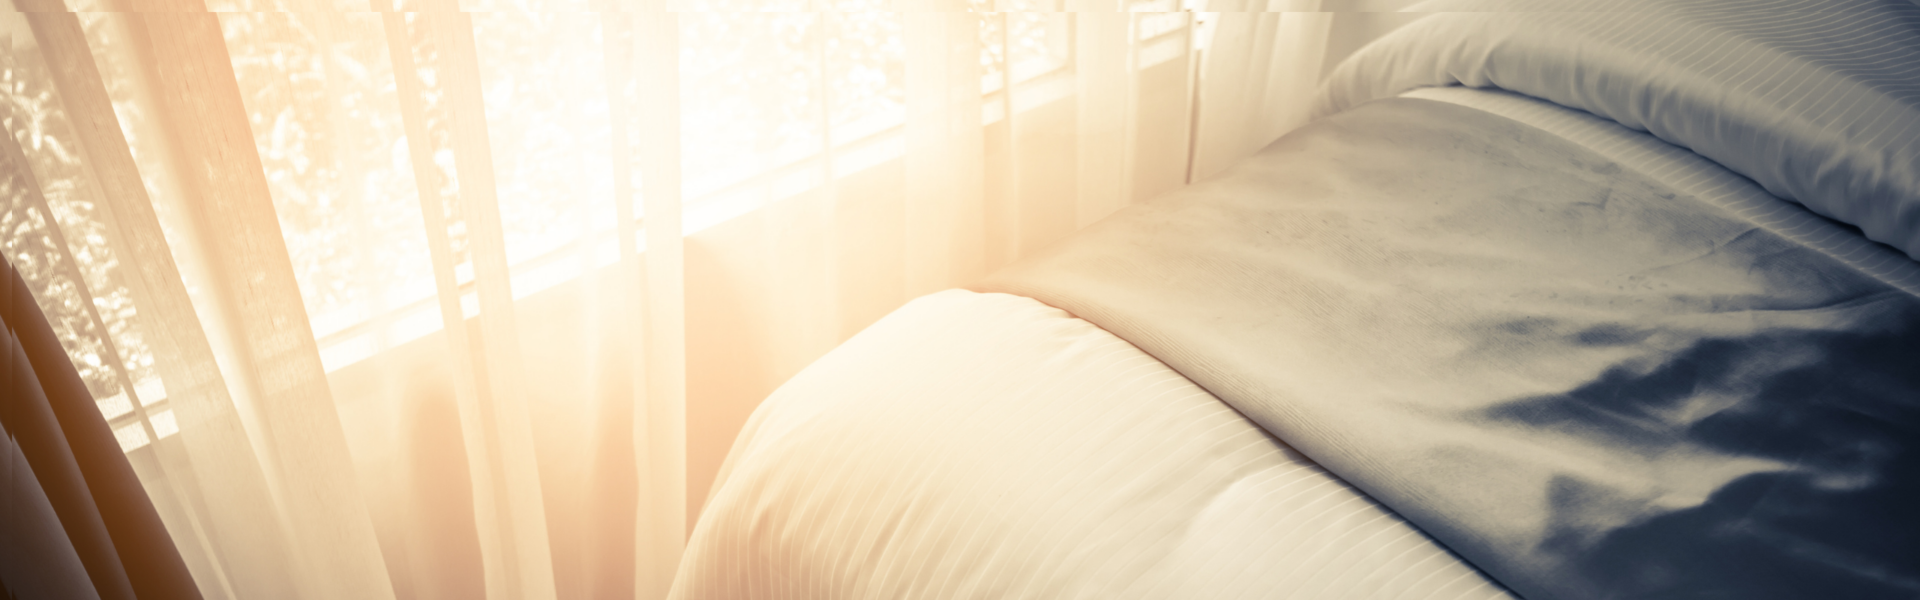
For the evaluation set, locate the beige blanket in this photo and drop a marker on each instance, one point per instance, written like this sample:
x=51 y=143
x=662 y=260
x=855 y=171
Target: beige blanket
x=1585 y=383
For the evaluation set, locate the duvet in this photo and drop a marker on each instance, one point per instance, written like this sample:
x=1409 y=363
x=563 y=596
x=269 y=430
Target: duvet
x=1588 y=382
x=1639 y=318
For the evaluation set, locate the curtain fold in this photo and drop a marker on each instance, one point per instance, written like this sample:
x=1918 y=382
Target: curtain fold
x=33 y=418
x=944 y=164
x=272 y=360
x=1257 y=71
x=237 y=504
x=660 y=413
x=78 y=524
x=57 y=542
x=470 y=297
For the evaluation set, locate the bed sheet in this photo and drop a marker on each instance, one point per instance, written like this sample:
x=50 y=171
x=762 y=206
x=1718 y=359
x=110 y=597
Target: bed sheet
x=1589 y=370
x=989 y=446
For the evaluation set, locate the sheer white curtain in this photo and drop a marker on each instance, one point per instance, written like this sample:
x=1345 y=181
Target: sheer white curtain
x=453 y=299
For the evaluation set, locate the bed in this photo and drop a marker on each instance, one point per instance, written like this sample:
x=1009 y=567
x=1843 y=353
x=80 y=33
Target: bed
x=1617 y=303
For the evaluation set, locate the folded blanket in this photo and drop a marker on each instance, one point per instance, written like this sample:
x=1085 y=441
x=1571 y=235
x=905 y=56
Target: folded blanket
x=1585 y=381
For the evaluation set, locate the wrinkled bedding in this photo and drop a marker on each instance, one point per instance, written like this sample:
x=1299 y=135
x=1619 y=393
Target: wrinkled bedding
x=1588 y=381
x=989 y=446
x=1644 y=324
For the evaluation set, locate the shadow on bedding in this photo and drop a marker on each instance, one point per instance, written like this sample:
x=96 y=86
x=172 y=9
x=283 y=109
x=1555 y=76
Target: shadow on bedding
x=1838 y=412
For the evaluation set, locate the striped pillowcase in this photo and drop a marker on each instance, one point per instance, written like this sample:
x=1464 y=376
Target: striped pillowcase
x=1818 y=101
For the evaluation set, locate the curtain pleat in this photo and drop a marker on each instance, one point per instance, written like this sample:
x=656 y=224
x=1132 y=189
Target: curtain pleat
x=1302 y=38
x=491 y=520
x=1105 y=94
x=1226 y=92
x=509 y=501
x=235 y=513
x=1163 y=114
x=118 y=534
x=798 y=231
x=40 y=558
x=1002 y=137
x=31 y=419
x=1014 y=128
x=293 y=423
x=620 y=421
x=77 y=525
x=466 y=362
x=1248 y=97
x=166 y=318
x=527 y=571
x=53 y=25
x=945 y=148
x=660 y=426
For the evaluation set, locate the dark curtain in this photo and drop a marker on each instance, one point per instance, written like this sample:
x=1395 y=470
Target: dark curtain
x=74 y=520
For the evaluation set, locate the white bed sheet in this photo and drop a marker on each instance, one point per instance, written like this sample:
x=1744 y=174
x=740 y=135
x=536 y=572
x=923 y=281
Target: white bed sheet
x=989 y=446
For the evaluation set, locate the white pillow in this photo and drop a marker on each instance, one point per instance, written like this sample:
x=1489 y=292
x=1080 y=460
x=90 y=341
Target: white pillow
x=1818 y=101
